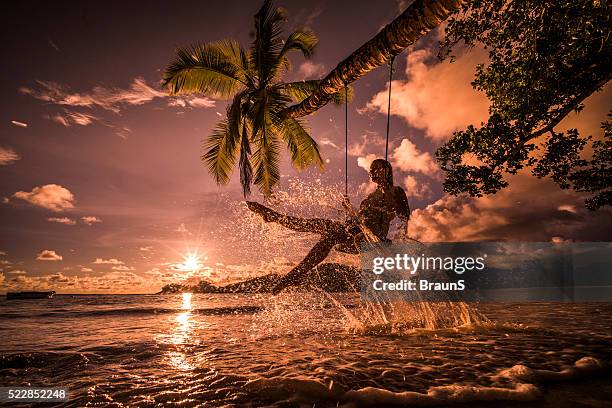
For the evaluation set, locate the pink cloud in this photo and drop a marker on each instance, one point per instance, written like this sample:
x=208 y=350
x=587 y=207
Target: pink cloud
x=109 y=98
x=200 y=102
x=138 y=93
x=69 y=118
x=309 y=69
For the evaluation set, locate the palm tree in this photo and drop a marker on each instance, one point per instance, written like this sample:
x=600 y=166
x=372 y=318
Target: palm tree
x=254 y=129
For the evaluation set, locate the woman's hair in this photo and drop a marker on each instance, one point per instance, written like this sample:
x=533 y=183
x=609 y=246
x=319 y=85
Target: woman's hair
x=385 y=166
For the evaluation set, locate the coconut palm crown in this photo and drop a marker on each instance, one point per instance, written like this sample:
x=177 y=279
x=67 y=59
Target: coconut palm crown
x=254 y=129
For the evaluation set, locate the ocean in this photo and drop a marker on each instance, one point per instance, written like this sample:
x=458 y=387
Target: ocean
x=300 y=350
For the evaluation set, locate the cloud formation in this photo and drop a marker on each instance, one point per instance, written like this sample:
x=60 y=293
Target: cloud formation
x=69 y=118
x=8 y=156
x=407 y=157
x=90 y=220
x=366 y=161
x=326 y=142
x=112 y=99
x=48 y=255
x=62 y=220
x=50 y=196
x=366 y=143
x=437 y=97
x=193 y=101
x=112 y=282
x=311 y=70
x=122 y=268
x=111 y=261
x=528 y=210
x=415 y=188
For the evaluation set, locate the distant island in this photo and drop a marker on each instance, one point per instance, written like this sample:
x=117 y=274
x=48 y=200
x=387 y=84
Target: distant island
x=330 y=277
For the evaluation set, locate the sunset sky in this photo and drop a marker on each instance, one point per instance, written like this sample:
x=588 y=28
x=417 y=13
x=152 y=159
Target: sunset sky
x=101 y=185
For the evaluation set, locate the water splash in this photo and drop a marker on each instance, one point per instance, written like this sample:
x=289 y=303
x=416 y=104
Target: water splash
x=373 y=315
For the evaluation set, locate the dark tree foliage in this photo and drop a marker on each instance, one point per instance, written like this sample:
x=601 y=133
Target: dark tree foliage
x=545 y=59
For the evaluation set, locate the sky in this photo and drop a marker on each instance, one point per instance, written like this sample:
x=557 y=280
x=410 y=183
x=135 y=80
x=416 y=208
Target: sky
x=101 y=185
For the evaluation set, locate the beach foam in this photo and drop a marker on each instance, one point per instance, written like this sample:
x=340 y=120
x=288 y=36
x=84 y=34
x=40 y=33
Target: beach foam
x=583 y=367
x=372 y=396
x=523 y=388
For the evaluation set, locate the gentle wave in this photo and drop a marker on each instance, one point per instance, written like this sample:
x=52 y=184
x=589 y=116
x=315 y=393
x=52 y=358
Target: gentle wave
x=42 y=359
x=135 y=311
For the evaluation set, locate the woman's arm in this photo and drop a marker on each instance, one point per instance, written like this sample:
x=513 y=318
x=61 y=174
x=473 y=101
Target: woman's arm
x=402 y=209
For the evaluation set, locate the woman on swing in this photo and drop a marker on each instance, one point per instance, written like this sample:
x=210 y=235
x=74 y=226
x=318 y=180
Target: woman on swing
x=375 y=213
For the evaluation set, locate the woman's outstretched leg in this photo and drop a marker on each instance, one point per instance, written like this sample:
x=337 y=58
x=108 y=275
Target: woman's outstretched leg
x=313 y=225
x=316 y=255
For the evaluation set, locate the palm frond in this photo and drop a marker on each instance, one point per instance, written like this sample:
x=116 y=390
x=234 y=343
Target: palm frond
x=212 y=69
x=246 y=171
x=220 y=155
x=267 y=45
x=266 y=160
x=304 y=150
x=301 y=40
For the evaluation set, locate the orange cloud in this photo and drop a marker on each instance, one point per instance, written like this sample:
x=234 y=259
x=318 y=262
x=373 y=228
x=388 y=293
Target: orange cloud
x=8 y=156
x=90 y=220
x=528 y=210
x=48 y=255
x=112 y=261
x=407 y=157
x=62 y=220
x=437 y=97
x=50 y=196
x=122 y=268
x=416 y=189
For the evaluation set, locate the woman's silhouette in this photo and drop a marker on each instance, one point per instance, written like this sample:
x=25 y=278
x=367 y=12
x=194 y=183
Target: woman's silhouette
x=375 y=214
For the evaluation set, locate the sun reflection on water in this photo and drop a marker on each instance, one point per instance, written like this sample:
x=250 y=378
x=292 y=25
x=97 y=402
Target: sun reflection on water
x=182 y=336
x=187 y=301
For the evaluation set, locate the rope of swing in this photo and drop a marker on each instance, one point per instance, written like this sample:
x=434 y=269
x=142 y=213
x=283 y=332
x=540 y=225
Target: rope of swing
x=345 y=139
x=389 y=106
x=391 y=60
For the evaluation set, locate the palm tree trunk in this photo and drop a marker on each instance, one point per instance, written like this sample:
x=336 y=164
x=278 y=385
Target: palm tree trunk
x=416 y=21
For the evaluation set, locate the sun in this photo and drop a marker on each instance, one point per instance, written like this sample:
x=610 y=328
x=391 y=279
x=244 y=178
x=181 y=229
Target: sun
x=191 y=262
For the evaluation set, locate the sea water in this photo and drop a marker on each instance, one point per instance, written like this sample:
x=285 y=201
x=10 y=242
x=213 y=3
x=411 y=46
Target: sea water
x=300 y=349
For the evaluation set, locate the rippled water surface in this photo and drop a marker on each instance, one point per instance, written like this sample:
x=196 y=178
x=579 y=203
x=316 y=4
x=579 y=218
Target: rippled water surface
x=295 y=350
